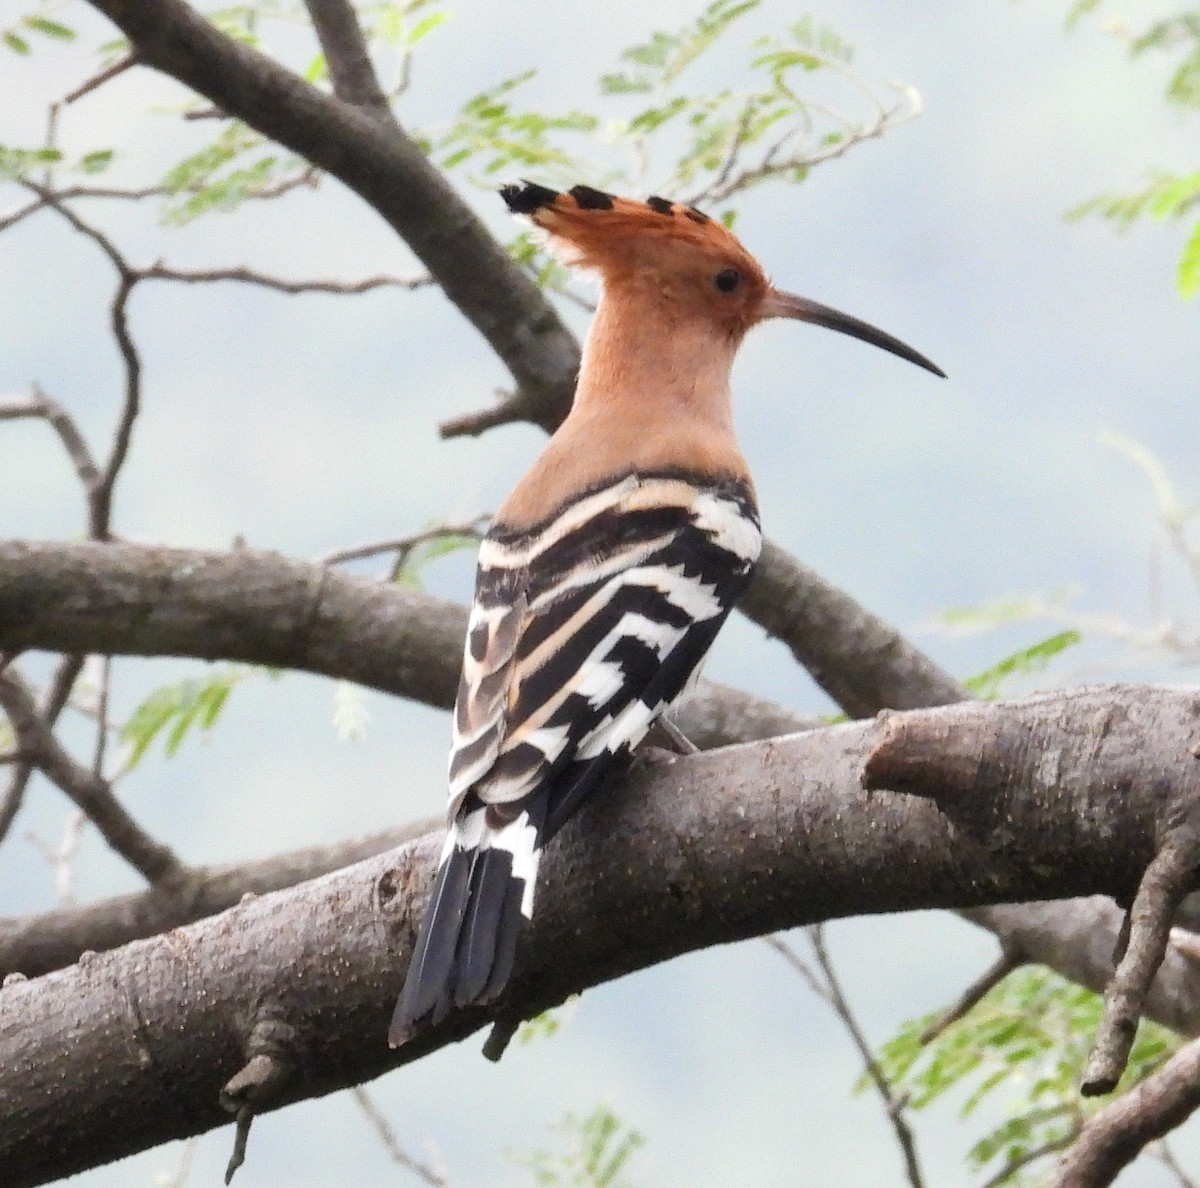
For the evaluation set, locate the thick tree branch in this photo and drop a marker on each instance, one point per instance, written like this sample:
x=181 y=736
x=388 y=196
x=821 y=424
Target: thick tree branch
x=859 y=660
x=685 y=853
x=258 y=607
x=263 y=608
x=36 y=944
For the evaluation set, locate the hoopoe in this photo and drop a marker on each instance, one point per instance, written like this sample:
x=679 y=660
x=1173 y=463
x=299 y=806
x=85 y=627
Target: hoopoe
x=607 y=572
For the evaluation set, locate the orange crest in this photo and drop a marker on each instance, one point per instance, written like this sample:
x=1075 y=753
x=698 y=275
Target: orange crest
x=658 y=243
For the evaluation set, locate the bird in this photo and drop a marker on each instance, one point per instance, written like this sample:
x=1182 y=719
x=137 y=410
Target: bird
x=606 y=574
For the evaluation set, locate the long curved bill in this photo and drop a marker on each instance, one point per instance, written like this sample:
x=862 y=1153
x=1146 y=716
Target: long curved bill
x=778 y=304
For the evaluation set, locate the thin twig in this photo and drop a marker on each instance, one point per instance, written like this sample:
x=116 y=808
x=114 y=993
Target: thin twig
x=61 y=858
x=98 y=80
x=830 y=992
x=250 y=276
x=61 y=685
x=1006 y=1173
x=971 y=996
x=102 y=725
x=403 y=544
x=1163 y=1153
x=391 y=1144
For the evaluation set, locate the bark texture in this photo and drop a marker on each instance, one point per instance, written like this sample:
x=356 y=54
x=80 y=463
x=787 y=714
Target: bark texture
x=683 y=854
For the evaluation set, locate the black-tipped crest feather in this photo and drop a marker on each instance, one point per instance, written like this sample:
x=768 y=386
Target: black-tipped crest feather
x=526 y=197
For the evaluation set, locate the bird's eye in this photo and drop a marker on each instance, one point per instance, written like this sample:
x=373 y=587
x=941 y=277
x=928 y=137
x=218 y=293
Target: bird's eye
x=727 y=279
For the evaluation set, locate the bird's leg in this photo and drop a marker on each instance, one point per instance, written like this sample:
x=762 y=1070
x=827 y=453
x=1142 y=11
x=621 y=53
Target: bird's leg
x=664 y=735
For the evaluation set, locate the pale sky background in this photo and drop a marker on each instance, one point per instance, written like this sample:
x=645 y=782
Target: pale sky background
x=305 y=424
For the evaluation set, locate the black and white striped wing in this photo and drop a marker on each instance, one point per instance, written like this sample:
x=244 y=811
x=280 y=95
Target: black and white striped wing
x=583 y=632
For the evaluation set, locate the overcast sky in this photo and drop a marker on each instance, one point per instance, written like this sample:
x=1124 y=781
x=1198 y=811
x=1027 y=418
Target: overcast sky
x=309 y=423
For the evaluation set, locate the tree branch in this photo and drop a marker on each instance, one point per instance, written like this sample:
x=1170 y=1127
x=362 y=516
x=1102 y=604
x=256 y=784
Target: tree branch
x=88 y=791
x=346 y=54
x=383 y=165
x=667 y=862
x=1113 y=1138
x=864 y=664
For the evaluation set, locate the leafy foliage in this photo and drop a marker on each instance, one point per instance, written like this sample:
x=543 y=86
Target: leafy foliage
x=178 y=709
x=1167 y=196
x=1030 y=1035
x=600 y=1148
x=16 y=37
x=1025 y=661
x=222 y=175
x=491 y=131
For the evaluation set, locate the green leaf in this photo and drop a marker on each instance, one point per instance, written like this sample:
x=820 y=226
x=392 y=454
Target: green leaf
x=1187 y=276
x=1034 y=1029
x=15 y=42
x=599 y=1148
x=16 y=162
x=1079 y=10
x=425 y=26
x=414 y=560
x=95 y=162
x=180 y=708
x=49 y=28
x=1028 y=660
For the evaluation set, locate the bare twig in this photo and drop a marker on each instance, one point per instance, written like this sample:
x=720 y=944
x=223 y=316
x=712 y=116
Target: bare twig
x=511 y=406
x=1006 y=1173
x=102 y=725
x=61 y=857
x=251 y=276
x=98 y=80
x=61 y=685
x=894 y=1106
x=1163 y=1153
x=970 y=997
x=90 y=793
x=829 y=989
x=403 y=545
x=45 y=407
x=379 y=1123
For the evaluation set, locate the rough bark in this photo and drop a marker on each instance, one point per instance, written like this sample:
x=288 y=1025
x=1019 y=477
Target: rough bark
x=33 y=945
x=262 y=607
x=1070 y=797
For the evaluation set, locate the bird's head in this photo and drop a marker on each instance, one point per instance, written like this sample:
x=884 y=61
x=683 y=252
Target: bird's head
x=677 y=256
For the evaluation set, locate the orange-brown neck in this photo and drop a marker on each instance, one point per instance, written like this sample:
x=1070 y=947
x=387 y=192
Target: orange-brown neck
x=653 y=394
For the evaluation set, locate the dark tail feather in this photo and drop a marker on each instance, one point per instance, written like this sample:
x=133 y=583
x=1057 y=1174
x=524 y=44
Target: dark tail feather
x=427 y=982
x=468 y=940
x=490 y=880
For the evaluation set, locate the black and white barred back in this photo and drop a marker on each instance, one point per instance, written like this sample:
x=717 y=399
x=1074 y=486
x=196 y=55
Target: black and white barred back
x=584 y=630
